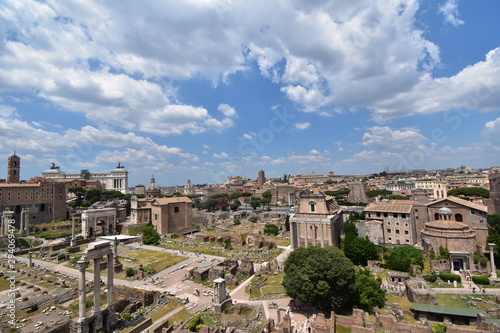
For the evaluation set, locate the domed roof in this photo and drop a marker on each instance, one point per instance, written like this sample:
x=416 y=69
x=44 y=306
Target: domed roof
x=119 y=168
x=153 y=186
x=444 y=211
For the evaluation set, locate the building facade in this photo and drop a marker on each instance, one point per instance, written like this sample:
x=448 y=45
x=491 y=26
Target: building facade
x=115 y=180
x=317 y=222
x=41 y=202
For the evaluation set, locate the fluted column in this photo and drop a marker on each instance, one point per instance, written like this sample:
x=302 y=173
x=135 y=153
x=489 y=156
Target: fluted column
x=81 y=290
x=492 y=260
x=110 y=299
x=97 y=285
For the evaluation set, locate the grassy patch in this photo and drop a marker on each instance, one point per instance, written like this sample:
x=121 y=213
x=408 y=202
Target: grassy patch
x=461 y=301
x=179 y=316
x=342 y=329
x=4 y=284
x=266 y=285
x=152 y=261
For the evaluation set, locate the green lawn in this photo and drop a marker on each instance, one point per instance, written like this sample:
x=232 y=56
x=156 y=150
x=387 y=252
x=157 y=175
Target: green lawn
x=266 y=285
x=151 y=261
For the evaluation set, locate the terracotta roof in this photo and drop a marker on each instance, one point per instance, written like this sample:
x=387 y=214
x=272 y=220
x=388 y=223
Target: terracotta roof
x=444 y=224
x=463 y=202
x=166 y=201
x=393 y=206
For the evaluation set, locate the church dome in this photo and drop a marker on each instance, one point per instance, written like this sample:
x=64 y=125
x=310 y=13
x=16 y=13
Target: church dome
x=153 y=186
x=444 y=211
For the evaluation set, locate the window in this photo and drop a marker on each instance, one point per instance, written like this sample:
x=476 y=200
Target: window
x=407 y=240
x=386 y=215
x=397 y=224
x=407 y=232
x=436 y=216
x=378 y=214
x=459 y=218
x=407 y=224
x=403 y=216
x=176 y=209
x=397 y=231
x=395 y=215
x=388 y=222
x=389 y=238
x=388 y=230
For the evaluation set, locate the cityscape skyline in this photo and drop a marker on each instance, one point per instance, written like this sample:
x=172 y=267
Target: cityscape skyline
x=203 y=90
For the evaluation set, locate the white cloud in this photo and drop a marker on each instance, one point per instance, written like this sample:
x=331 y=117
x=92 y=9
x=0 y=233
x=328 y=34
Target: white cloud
x=222 y=155
x=450 y=12
x=302 y=126
x=227 y=110
x=388 y=137
x=491 y=132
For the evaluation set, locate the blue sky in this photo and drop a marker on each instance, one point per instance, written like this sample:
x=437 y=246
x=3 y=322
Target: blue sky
x=205 y=89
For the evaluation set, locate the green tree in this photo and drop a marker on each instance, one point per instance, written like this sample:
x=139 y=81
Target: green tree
x=236 y=221
x=359 y=250
x=255 y=203
x=323 y=277
x=368 y=291
x=287 y=222
x=401 y=258
x=235 y=205
x=470 y=192
x=253 y=219
x=150 y=235
x=376 y=193
x=271 y=229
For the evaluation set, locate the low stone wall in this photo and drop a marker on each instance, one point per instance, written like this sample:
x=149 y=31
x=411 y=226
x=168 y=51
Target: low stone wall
x=141 y=327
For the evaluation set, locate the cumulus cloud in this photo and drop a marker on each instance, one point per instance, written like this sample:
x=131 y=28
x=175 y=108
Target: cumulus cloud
x=302 y=126
x=491 y=132
x=388 y=137
x=450 y=12
x=227 y=110
x=222 y=155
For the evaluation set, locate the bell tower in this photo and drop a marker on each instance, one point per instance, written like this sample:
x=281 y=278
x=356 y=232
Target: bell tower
x=13 y=169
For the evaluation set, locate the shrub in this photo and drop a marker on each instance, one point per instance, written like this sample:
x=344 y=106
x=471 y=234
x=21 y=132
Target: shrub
x=33 y=307
x=450 y=277
x=430 y=278
x=129 y=272
x=439 y=328
x=481 y=280
x=127 y=317
x=253 y=219
x=61 y=257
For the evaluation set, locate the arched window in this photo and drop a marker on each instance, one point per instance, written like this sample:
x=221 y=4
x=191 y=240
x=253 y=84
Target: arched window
x=312 y=206
x=176 y=209
x=459 y=218
x=436 y=216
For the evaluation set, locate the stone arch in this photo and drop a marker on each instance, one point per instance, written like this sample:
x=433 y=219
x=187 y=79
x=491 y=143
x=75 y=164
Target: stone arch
x=100 y=221
x=459 y=217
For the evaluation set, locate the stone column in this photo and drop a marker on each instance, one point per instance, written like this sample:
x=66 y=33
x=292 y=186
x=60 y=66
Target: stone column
x=322 y=226
x=97 y=285
x=297 y=233
x=306 y=234
x=23 y=225
x=110 y=299
x=81 y=290
x=6 y=216
x=30 y=259
x=492 y=261
x=73 y=241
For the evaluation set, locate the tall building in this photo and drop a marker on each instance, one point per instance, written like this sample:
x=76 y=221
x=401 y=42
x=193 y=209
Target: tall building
x=115 y=180
x=494 y=201
x=13 y=169
x=261 y=179
x=318 y=221
x=34 y=202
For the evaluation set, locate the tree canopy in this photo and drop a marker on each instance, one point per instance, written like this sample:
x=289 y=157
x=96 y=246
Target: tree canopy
x=324 y=277
x=401 y=258
x=359 y=250
x=368 y=291
x=271 y=229
x=470 y=192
